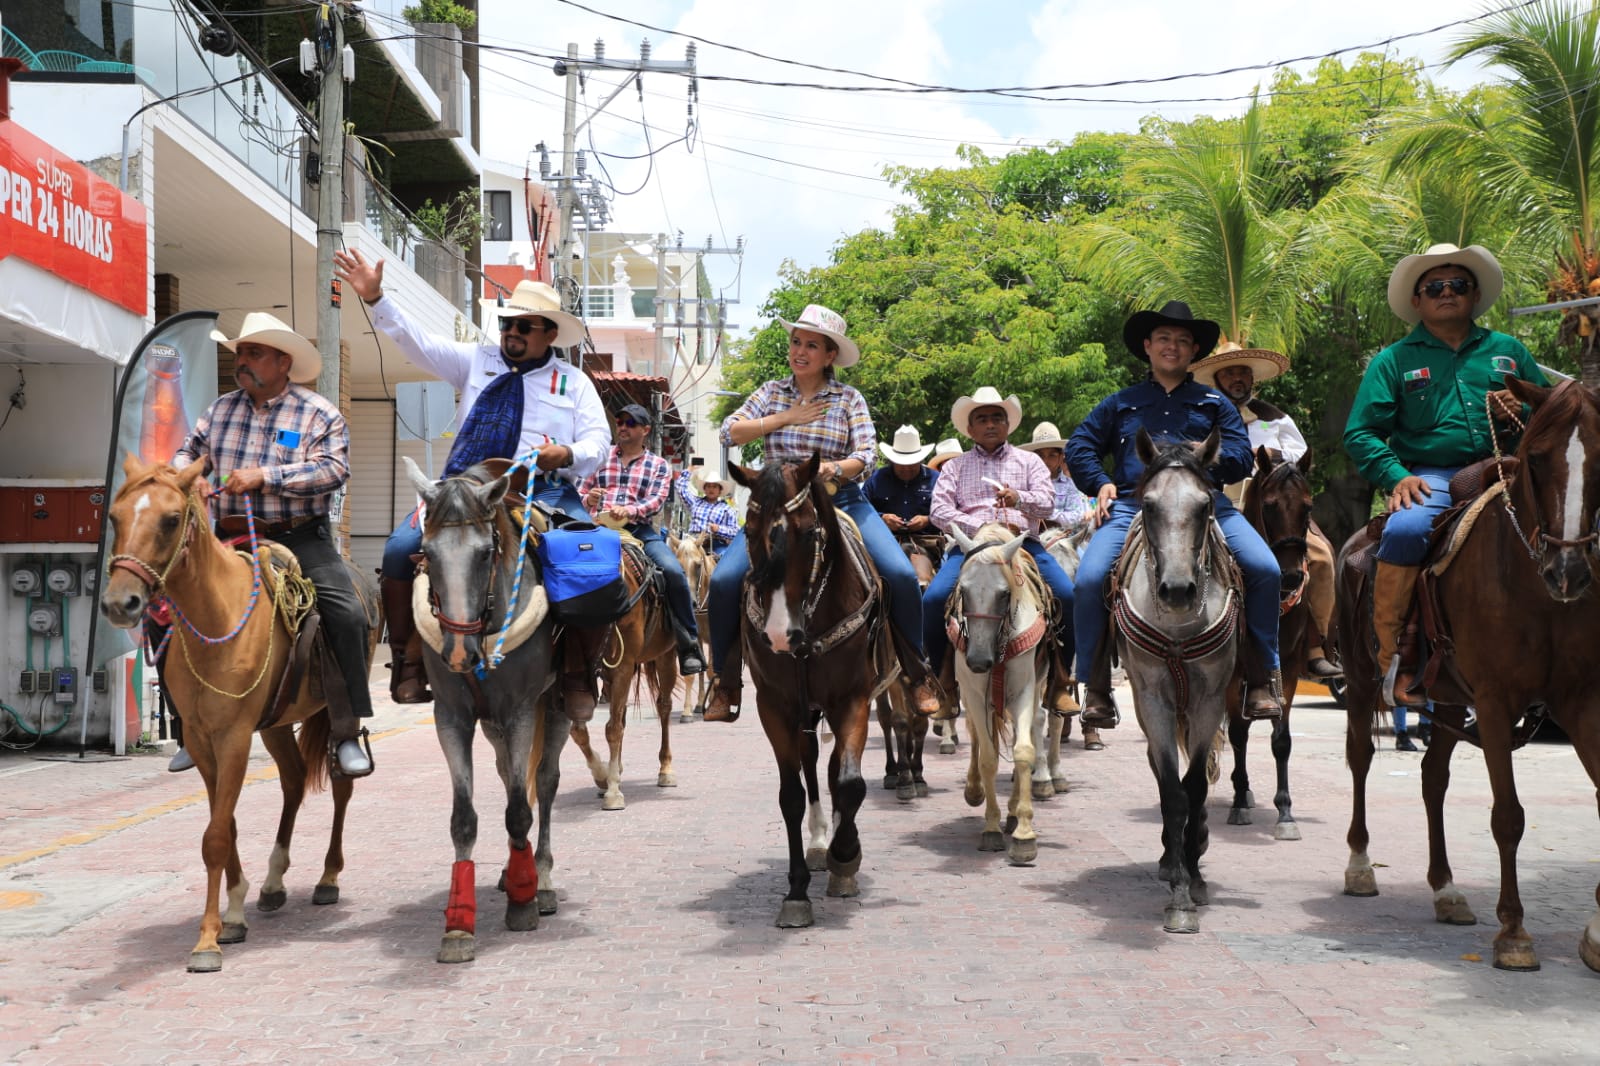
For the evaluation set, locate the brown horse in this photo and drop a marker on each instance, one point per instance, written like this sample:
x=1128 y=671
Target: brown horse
x=815 y=640
x=1522 y=605
x=905 y=732
x=641 y=643
x=162 y=547
x=1277 y=503
x=694 y=555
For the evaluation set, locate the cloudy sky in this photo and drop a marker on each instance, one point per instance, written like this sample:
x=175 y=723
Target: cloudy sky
x=794 y=169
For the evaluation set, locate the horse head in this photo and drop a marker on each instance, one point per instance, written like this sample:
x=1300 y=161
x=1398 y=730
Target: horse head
x=1560 y=484
x=154 y=518
x=1175 y=494
x=691 y=554
x=1278 y=504
x=984 y=591
x=789 y=521
x=468 y=543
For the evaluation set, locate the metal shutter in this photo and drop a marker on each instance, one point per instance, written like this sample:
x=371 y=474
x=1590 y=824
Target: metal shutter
x=380 y=494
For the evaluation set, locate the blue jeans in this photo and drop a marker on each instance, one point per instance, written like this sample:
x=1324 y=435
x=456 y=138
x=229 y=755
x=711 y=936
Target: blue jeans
x=1405 y=535
x=1261 y=577
x=905 y=599
x=937 y=641
x=406 y=540
x=660 y=553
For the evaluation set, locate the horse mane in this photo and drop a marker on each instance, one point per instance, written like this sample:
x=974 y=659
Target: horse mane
x=768 y=496
x=1172 y=454
x=1552 y=419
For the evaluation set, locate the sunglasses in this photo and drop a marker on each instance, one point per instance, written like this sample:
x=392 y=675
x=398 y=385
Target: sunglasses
x=1435 y=289
x=523 y=326
x=630 y=423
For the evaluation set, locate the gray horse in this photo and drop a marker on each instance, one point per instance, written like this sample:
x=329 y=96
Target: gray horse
x=474 y=556
x=1177 y=621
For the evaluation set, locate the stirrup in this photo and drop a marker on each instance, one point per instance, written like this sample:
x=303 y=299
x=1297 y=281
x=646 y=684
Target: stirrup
x=363 y=742
x=730 y=709
x=1099 y=716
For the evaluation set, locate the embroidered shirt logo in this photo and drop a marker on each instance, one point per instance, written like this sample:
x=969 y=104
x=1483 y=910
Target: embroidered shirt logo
x=1417 y=380
x=1504 y=364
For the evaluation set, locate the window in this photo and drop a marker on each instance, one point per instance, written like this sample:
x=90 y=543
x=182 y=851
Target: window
x=497 y=209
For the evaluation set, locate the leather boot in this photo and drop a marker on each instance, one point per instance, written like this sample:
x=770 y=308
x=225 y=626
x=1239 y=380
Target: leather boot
x=408 y=681
x=1059 y=695
x=580 y=666
x=1099 y=707
x=1263 y=697
x=689 y=660
x=1392 y=592
x=726 y=691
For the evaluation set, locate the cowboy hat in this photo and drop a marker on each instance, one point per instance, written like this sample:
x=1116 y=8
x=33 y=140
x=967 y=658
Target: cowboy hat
x=1263 y=363
x=704 y=475
x=985 y=396
x=943 y=452
x=535 y=298
x=261 y=328
x=1474 y=258
x=830 y=324
x=907 y=449
x=1137 y=330
x=1045 y=435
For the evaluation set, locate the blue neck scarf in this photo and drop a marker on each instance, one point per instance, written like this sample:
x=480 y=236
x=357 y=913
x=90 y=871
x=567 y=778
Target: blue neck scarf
x=493 y=428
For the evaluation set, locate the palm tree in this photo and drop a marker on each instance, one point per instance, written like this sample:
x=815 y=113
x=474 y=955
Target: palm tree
x=1537 y=147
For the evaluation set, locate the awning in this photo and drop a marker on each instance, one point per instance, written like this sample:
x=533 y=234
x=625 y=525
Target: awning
x=619 y=388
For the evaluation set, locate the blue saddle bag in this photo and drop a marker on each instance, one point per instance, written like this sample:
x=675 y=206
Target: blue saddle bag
x=581 y=566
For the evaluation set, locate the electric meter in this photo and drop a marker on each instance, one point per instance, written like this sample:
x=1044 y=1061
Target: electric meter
x=45 y=618
x=89 y=580
x=27 y=579
x=62 y=578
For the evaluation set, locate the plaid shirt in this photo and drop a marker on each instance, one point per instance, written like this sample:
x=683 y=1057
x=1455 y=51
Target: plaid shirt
x=639 y=486
x=297 y=437
x=963 y=498
x=1072 y=507
x=844 y=431
x=705 y=514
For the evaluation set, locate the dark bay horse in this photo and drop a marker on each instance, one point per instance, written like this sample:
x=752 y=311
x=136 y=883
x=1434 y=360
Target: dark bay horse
x=1522 y=604
x=162 y=547
x=1277 y=503
x=1176 y=618
x=814 y=636
x=487 y=652
x=905 y=733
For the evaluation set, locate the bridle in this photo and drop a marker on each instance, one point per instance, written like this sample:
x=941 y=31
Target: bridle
x=1539 y=537
x=153 y=579
x=477 y=625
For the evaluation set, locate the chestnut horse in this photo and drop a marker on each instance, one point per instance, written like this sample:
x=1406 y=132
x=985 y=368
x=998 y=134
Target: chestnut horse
x=487 y=649
x=1522 y=603
x=815 y=638
x=694 y=555
x=162 y=548
x=1277 y=502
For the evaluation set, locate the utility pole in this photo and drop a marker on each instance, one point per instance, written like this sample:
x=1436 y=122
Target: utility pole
x=719 y=325
x=335 y=67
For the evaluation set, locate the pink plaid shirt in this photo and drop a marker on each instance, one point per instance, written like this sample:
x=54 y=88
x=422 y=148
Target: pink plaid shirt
x=639 y=486
x=961 y=497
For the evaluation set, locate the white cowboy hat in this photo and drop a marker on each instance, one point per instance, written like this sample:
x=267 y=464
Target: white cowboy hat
x=830 y=324
x=1263 y=363
x=1475 y=257
x=1045 y=435
x=534 y=298
x=702 y=475
x=907 y=449
x=985 y=396
x=943 y=452
x=259 y=327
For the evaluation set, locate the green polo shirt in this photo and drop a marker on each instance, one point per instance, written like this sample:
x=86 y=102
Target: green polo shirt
x=1421 y=404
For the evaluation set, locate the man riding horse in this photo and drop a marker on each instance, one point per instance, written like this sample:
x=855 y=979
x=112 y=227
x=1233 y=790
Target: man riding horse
x=1170 y=405
x=1420 y=416
x=902 y=491
x=516 y=395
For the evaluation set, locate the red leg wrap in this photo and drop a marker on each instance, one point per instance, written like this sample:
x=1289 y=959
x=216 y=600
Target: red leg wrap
x=461 y=912
x=522 y=877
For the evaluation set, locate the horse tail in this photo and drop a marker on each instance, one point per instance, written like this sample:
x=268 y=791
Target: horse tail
x=314 y=750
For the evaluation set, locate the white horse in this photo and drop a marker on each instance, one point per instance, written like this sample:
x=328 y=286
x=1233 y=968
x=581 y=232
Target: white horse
x=999 y=615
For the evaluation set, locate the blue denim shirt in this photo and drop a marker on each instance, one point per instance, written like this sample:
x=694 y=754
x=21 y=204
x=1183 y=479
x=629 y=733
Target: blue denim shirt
x=1187 y=413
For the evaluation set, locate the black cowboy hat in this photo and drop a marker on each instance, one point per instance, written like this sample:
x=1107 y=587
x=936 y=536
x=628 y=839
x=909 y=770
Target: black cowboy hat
x=1175 y=313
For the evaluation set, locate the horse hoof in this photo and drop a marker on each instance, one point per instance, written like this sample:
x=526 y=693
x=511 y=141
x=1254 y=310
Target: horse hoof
x=891 y=782
x=613 y=803
x=1360 y=882
x=844 y=869
x=816 y=859
x=1515 y=955
x=666 y=780
x=906 y=793
x=233 y=933
x=922 y=790
x=973 y=794
x=323 y=895
x=947 y=746
x=1451 y=908
x=205 y=961
x=843 y=886
x=1043 y=790
x=1286 y=831
x=1238 y=816
x=546 y=898
x=1011 y=824
x=457 y=946
x=1181 y=921
x=1249 y=799
x=1023 y=852
x=794 y=914
x=1200 y=892
x=522 y=917
x=992 y=841
x=1589 y=944
x=1059 y=784
x=271 y=901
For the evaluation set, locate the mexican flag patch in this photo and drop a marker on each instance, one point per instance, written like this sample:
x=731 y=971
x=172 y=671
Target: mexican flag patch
x=1416 y=379
x=1504 y=364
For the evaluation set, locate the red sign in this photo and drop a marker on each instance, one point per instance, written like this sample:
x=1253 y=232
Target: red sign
x=61 y=217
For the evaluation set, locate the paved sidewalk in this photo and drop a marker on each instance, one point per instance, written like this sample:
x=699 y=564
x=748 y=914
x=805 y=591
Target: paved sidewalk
x=664 y=949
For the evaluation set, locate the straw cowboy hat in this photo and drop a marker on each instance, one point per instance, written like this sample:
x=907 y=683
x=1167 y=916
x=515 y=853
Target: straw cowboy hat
x=907 y=449
x=535 y=298
x=985 y=396
x=702 y=476
x=1137 y=330
x=1263 y=363
x=1475 y=258
x=830 y=324
x=261 y=328
x=1045 y=435
x=943 y=452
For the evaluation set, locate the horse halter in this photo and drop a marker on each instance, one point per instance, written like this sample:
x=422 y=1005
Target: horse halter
x=477 y=626
x=155 y=580
x=790 y=506
x=1532 y=543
